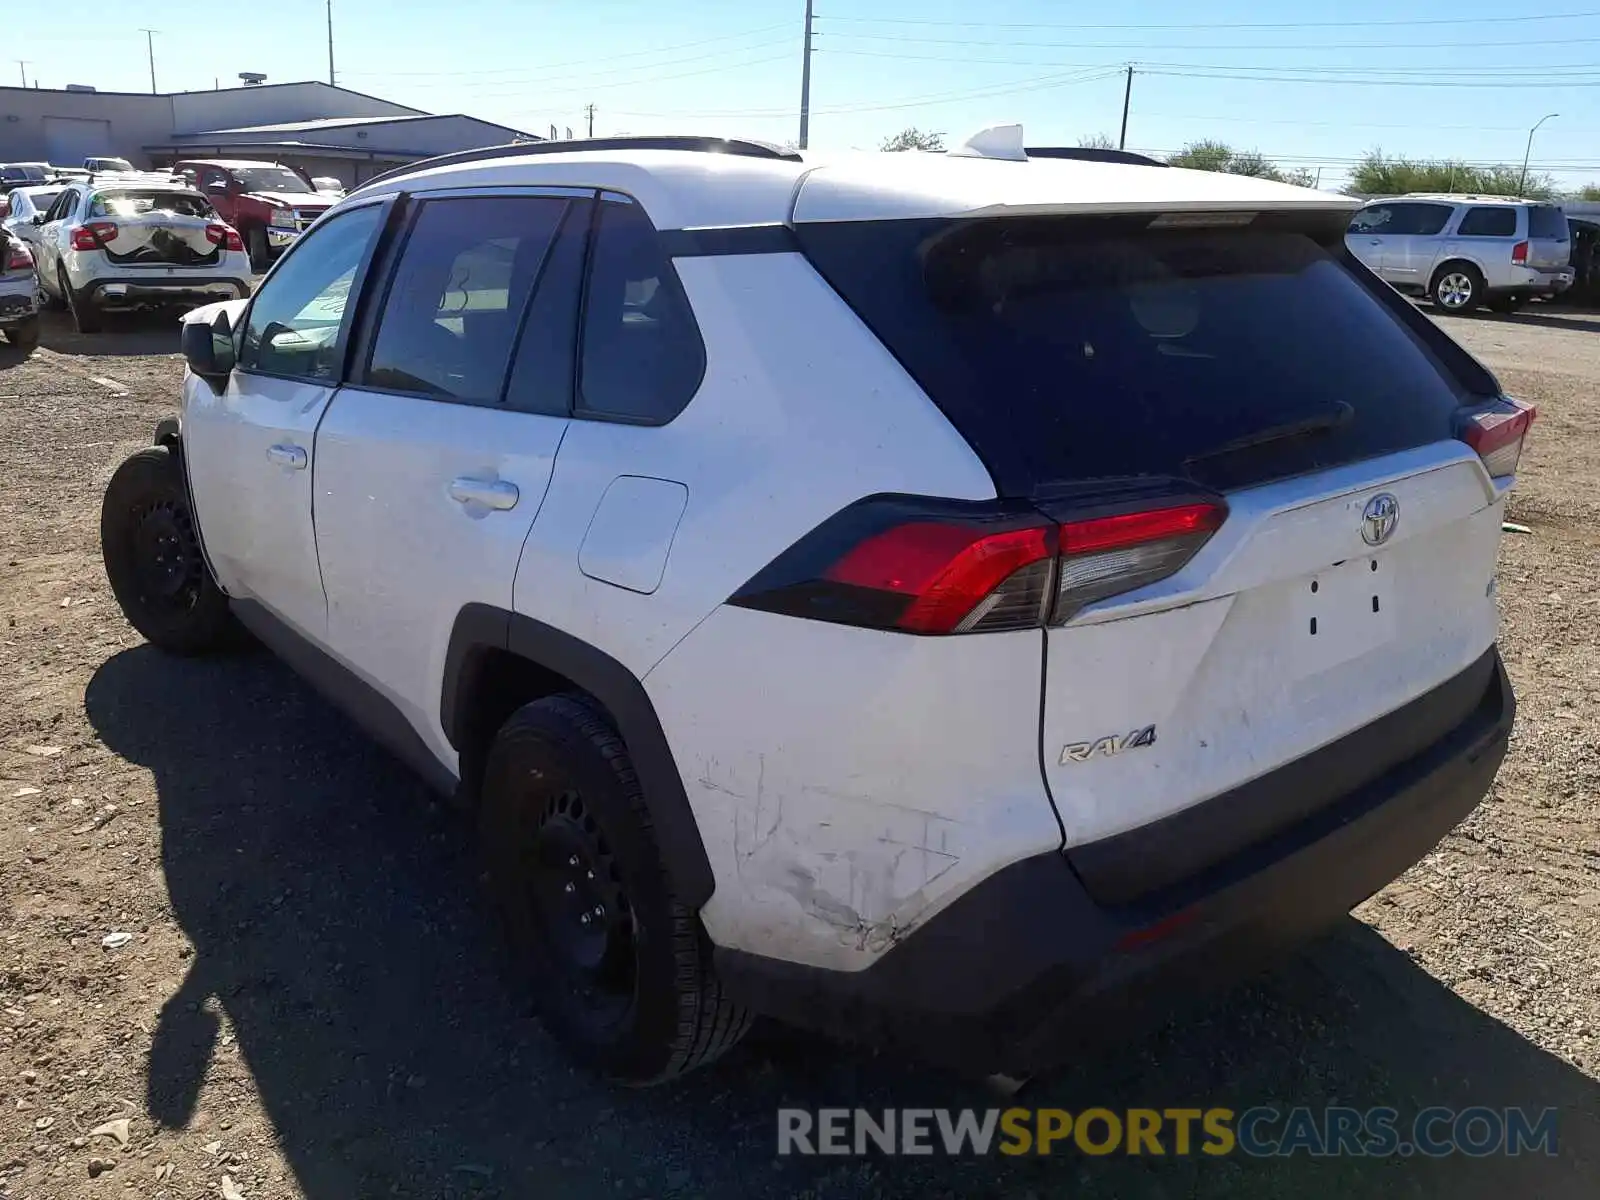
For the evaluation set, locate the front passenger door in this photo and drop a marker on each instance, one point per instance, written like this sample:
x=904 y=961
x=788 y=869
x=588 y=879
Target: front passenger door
x=1371 y=233
x=250 y=446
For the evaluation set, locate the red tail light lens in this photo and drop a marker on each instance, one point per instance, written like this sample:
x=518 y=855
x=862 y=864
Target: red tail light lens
x=19 y=257
x=1519 y=252
x=884 y=565
x=955 y=578
x=1497 y=432
x=93 y=236
x=225 y=236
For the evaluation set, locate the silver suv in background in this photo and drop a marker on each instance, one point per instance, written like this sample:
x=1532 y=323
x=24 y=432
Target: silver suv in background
x=1463 y=251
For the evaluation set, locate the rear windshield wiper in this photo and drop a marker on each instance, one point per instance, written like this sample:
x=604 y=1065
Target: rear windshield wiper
x=1318 y=423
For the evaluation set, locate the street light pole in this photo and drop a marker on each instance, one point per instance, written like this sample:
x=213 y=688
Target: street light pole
x=805 y=84
x=1523 y=182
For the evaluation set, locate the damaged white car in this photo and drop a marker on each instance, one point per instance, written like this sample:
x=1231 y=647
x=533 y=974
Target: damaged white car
x=119 y=244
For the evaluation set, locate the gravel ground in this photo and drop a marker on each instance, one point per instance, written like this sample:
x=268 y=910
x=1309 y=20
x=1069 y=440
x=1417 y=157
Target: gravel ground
x=307 y=1003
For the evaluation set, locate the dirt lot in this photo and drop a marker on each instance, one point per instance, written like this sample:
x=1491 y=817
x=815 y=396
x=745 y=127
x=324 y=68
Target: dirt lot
x=307 y=1003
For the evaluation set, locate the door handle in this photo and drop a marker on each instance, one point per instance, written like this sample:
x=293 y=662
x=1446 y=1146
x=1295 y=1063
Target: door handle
x=499 y=494
x=1375 y=242
x=287 y=456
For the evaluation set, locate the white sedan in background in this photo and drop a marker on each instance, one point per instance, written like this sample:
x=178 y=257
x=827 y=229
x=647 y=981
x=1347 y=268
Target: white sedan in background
x=131 y=243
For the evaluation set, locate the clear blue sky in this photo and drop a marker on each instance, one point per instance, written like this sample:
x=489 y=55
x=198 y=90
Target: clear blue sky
x=1421 y=77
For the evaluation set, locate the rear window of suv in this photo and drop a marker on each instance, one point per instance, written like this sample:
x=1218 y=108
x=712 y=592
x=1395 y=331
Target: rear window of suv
x=1068 y=350
x=1547 y=221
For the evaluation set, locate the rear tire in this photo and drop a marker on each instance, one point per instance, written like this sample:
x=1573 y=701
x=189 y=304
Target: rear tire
x=1456 y=288
x=85 y=316
x=48 y=299
x=24 y=335
x=619 y=968
x=255 y=243
x=152 y=557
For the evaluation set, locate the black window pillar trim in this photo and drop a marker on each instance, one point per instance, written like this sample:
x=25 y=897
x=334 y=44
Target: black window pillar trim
x=481 y=628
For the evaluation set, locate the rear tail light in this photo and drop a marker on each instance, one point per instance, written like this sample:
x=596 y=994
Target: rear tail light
x=1110 y=555
x=1497 y=432
x=93 y=236
x=1519 y=252
x=945 y=568
x=225 y=236
x=19 y=257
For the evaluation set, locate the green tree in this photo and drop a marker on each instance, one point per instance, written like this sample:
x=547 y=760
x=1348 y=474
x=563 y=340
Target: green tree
x=1378 y=174
x=1208 y=155
x=1096 y=141
x=913 y=139
x=1589 y=191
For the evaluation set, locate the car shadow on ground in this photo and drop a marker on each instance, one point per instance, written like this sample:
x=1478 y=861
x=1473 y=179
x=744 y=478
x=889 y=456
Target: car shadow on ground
x=332 y=911
x=1547 y=317
x=123 y=335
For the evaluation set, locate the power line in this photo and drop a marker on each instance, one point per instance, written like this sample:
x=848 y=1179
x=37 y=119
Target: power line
x=1257 y=46
x=1228 y=24
x=1545 y=83
x=589 y=86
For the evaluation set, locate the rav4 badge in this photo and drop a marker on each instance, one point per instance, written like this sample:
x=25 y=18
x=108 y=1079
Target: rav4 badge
x=1077 y=752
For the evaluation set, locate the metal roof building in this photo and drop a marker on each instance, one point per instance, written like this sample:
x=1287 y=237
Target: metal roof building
x=325 y=130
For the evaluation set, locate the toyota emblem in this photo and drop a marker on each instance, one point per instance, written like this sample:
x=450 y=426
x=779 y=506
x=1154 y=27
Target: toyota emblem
x=1379 y=518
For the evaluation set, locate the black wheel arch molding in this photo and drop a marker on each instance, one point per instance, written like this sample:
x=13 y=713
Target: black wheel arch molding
x=482 y=631
x=169 y=433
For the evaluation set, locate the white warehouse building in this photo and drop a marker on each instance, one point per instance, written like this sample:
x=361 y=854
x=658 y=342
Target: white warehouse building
x=323 y=129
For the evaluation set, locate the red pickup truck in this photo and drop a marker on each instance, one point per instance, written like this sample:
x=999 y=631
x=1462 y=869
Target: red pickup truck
x=269 y=204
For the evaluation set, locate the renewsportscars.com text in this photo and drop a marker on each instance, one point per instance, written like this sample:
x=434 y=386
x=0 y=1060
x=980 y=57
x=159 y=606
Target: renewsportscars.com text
x=1259 y=1132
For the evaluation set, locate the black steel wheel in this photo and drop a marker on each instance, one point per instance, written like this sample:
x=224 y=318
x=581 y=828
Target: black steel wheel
x=153 y=559
x=619 y=970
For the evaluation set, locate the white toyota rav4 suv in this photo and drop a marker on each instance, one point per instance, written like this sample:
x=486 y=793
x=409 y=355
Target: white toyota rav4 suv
x=947 y=599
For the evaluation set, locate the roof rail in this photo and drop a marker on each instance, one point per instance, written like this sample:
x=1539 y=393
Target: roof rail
x=699 y=145
x=1094 y=154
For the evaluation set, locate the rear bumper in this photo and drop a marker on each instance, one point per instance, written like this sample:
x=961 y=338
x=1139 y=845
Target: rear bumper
x=1026 y=969
x=112 y=292
x=1537 y=283
x=19 y=299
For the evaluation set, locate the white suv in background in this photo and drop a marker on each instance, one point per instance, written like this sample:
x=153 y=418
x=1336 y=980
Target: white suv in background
x=953 y=600
x=1464 y=251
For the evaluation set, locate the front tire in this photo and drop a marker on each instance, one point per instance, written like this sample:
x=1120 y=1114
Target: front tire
x=255 y=241
x=619 y=968
x=153 y=562
x=1457 y=288
x=24 y=335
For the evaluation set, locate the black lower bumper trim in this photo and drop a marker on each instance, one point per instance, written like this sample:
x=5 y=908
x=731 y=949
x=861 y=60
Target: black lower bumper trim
x=1019 y=973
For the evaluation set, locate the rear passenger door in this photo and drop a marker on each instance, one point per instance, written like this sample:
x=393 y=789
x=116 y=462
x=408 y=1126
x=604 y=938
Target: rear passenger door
x=48 y=243
x=433 y=462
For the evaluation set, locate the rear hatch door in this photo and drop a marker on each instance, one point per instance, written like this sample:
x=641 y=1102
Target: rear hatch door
x=1110 y=366
x=140 y=228
x=1549 y=238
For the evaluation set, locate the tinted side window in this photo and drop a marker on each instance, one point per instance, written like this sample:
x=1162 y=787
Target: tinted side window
x=542 y=367
x=1429 y=218
x=642 y=354
x=1489 y=222
x=464 y=277
x=1547 y=221
x=1379 y=218
x=62 y=206
x=300 y=317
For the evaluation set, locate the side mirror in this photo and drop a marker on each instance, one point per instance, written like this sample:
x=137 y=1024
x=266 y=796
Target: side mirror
x=38 y=218
x=209 y=348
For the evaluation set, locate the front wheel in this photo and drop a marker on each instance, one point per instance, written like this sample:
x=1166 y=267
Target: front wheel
x=619 y=968
x=153 y=561
x=255 y=241
x=24 y=335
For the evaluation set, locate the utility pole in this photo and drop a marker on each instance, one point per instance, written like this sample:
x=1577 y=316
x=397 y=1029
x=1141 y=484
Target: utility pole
x=150 y=48
x=330 y=43
x=1127 y=97
x=588 y=110
x=805 y=85
x=1523 y=182
x=22 y=66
